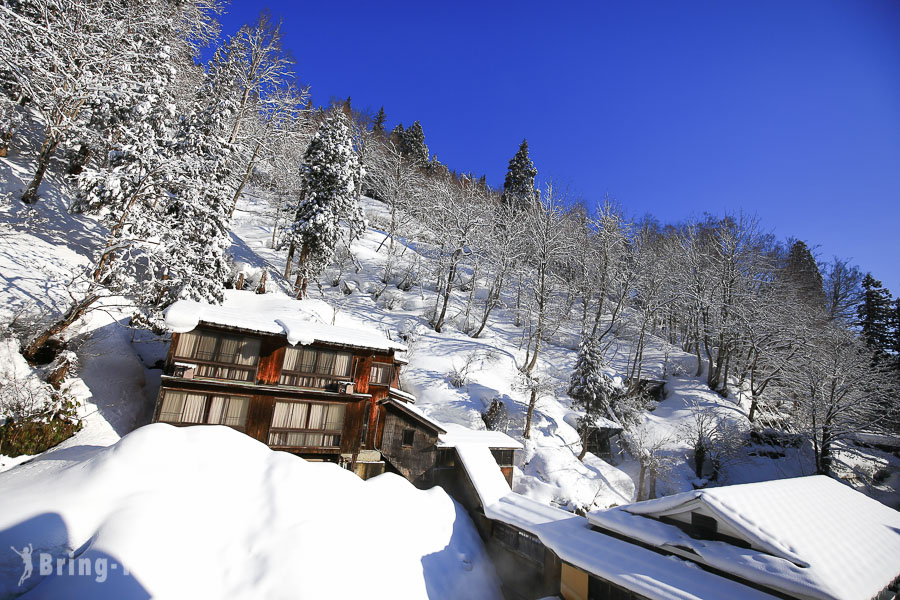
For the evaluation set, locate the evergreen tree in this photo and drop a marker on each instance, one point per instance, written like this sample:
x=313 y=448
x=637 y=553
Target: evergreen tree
x=518 y=187
x=397 y=137
x=875 y=316
x=591 y=388
x=328 y=195
x=413 y=145
x=378 y=123
x=802 y=273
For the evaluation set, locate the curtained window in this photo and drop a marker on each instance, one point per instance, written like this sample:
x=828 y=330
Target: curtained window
x=224 y=350
x=306 y=367
x=203 y=408
x=306 y=424
x=380 y=373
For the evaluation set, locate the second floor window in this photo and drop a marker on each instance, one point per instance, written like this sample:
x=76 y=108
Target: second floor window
x=381 y=373
x=225 y=356
x=307 y=367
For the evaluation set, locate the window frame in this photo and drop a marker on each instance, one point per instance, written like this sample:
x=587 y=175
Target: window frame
x=329 y=379
x=207 y=406
x=338 y=433
x=250 y=370
x=411 y=432
x=389 y=369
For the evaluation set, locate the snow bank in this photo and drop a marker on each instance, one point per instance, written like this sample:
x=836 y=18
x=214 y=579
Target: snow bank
x=207 y=512
x=302 y=321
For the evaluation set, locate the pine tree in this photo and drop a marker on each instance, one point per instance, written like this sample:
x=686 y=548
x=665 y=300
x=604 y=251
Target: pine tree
x=874 y=316
x=591 y=388
x=328 y=195
x=378 y=123
x=518 y=187
x=802 y=273
x=396 y=138
x=414 y=145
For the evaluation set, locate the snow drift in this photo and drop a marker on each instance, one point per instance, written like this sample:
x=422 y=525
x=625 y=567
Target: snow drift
x=208 y=512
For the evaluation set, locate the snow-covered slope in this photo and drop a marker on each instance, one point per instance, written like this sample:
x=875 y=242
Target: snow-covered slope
x=207 y=512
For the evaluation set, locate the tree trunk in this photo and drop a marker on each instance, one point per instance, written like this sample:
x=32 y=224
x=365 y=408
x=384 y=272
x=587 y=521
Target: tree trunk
x=75 y=312
x=451 y=273
x=245 y=178
x=528 y=415
x=48 y=149
x=289 y=263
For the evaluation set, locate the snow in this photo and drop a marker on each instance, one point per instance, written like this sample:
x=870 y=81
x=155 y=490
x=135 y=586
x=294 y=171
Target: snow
x=417 y=412
x=302 y=321
x=811 y=536
x=643 y=571
x=207 y=512
x=458 y=436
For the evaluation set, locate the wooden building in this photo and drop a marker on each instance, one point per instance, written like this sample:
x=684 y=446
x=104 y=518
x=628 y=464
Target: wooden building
x=264 y=366
x=320 y=397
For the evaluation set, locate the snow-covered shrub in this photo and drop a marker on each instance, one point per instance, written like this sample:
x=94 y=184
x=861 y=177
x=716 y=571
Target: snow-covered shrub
x=495 y=416
x=34 y=416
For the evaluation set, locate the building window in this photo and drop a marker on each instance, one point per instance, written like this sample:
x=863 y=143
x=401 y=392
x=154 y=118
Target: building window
x=306 y=367
x=220 y=356
x=504 y=458
x=306 y=424
x=210 y=409
x=381 y=373
x=519 y=541
x=409 y=436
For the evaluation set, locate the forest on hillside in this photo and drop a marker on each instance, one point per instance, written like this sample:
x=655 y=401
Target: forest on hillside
x=158 y=147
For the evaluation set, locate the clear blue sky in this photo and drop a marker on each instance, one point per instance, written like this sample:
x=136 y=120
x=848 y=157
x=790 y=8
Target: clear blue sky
x=786 y=109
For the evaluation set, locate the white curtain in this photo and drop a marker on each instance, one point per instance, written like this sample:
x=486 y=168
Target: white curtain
x=290 y=415
x=206 y=347
x=186 y=342
x=228 y=350
x=193 y=408
x=172 y=407
x=326 y=363
x=342 y=364
x=249 y=352
x=236 y=412
x=335 y=419
x=317 y=416
x=381 y=373
x=308 y=363
x=217 y=409
x=291 y=358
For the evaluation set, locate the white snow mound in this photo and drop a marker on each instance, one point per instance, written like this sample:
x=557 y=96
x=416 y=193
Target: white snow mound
x=207 y=512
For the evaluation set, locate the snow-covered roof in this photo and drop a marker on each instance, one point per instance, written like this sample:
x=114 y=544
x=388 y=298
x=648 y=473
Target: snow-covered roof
x=570 y=536
x=811 y=537
x=573 y=417
x=457 y=436
x=301 y=321
x=416 y=413
x=401 y=395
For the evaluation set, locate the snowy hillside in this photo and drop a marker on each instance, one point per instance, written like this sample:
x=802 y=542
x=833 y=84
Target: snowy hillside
x=40 y=248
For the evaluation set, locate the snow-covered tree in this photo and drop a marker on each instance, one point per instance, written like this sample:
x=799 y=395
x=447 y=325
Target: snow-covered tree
x=591 y=389
x=328 y=184
x=413 y=145
x=518 y=187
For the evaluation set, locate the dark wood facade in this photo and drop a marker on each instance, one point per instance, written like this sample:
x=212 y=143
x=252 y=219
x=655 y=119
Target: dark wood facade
x=350 y=402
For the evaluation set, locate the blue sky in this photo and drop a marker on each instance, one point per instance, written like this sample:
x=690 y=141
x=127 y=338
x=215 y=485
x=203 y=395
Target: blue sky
x=786 y=110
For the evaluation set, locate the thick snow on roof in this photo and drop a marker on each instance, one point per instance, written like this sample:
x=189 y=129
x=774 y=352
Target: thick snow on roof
x=811 y=536
x=302 y=321
x=207 y=512
x=457 y=436
x=650 y=574
x=416 y=412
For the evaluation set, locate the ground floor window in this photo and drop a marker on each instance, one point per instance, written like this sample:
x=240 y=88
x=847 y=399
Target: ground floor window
x=203 y=407
x=306 y=424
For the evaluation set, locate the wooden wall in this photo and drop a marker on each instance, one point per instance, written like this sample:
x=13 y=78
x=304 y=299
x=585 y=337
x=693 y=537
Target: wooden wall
x=413 y=462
